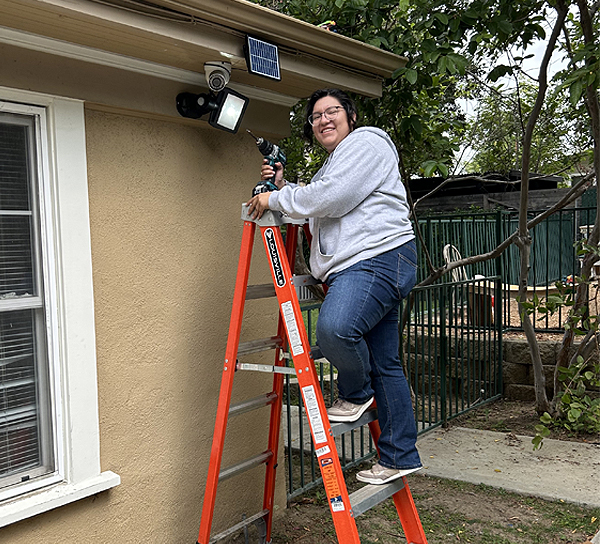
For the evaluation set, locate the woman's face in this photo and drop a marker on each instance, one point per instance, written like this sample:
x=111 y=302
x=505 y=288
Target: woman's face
x=330 y=132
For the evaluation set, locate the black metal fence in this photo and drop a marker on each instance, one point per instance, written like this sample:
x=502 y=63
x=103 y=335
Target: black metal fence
x=451 y=351
x=452 y=331
x=553 y=253
x=452 y=348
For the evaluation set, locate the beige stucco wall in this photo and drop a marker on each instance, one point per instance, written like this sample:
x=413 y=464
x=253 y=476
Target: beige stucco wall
x=165 y=203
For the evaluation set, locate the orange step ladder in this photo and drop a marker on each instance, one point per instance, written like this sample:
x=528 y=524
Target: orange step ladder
x=292 y=336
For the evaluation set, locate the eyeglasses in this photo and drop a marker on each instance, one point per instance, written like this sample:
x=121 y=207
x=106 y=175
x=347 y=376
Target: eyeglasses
x=330 y=114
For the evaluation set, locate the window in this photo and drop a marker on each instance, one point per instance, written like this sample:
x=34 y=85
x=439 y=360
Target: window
x=26 y=430
x=49 y=429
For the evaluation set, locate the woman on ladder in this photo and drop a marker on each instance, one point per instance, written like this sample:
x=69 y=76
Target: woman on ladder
x=364 y=251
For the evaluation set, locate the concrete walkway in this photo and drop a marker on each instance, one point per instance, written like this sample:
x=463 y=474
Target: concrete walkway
x=560 y=470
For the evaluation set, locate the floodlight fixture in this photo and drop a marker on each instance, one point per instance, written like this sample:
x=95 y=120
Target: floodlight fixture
x=262 y=58
x=226 y=108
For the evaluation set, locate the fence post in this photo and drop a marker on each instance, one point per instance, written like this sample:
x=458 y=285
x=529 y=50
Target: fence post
x=443 y=353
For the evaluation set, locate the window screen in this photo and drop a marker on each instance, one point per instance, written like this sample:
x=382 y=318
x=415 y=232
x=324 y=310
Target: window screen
x=25 y=422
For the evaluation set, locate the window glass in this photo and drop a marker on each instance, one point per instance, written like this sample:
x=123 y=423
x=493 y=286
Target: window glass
x=25 y=423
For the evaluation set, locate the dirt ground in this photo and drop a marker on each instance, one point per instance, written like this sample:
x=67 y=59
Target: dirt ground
x=455 y=511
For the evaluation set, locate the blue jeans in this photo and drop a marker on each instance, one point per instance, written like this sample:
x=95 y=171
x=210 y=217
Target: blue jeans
x=357 y=331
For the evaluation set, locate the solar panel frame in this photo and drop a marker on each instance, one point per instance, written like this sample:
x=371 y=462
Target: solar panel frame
x=262 y=58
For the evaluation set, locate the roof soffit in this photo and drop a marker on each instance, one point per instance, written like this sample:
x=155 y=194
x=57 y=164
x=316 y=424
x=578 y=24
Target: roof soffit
x=285 y=31
x=305 y=66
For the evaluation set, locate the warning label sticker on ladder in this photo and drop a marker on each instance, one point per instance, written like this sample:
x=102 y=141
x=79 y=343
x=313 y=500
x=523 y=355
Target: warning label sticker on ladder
x=332 y=487
x=314 y=415
x=292 y=328
x=322 y=451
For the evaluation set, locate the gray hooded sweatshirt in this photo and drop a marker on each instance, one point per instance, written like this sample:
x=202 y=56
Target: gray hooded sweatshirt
x=356 y=203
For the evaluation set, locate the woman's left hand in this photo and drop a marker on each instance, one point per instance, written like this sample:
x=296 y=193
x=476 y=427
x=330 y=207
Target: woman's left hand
x=258 y=204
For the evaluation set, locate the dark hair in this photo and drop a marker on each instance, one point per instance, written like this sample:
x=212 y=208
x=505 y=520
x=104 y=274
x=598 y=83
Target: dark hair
x=346 y=102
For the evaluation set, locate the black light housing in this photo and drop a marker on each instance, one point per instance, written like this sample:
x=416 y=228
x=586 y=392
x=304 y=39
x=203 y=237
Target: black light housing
x=226 y=108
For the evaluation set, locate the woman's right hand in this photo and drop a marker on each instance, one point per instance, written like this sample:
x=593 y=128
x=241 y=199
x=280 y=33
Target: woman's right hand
x=267 y=172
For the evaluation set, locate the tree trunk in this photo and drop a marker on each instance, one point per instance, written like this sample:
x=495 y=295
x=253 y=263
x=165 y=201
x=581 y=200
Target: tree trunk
x=523 y=239
x=581 y=293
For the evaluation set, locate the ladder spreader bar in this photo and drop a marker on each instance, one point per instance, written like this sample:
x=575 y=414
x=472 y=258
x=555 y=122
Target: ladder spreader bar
x=252 y=404
x=271 y=369
x=371 y=495
x=256 y=346
x=235 y=528
x=264 y=290
x=245 y=465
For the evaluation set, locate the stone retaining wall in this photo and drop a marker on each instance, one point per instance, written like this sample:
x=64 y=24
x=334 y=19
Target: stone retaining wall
x=517 y=367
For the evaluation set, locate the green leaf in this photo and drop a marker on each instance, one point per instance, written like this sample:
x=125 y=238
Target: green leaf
x=428 y=168
x=576 y=90
x=416 y=124
x=505 y=26
x=429 y=45
x=498 y=72
x=574 y=414
x=411 y=76
x=441 y=17
x=398 y=72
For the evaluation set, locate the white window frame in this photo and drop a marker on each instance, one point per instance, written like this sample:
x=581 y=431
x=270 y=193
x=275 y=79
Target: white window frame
x=65 y=238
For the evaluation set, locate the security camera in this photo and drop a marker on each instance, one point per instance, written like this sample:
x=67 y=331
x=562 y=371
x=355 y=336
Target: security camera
x=217 y=74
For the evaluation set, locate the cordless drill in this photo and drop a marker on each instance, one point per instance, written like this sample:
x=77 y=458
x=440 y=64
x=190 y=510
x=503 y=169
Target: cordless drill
x=273 y=154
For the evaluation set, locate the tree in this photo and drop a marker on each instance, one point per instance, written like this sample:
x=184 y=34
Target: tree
x=559 y=146
x=457 y=48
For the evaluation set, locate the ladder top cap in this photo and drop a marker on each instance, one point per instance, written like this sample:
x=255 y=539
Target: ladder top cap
x=270 y=218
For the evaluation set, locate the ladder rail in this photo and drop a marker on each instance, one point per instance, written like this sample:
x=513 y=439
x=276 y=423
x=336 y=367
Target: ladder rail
x=276 y=408
x=299 y=346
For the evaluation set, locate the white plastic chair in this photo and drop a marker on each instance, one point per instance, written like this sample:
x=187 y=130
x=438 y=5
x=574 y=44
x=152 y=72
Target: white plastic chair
x=451 y=254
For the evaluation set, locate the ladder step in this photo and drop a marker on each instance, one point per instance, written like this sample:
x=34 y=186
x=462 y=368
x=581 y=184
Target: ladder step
x=266 y=290
x=272 y=369
x=340 y=428
x=371 y=495
x=256 y=346
x=252 y=404
x=315 y=353
x=305 y=279
x=238 y=526
x=245 y=465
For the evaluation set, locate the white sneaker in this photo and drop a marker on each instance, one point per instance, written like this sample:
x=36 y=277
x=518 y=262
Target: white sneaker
x=344 y=411
x=379 y=475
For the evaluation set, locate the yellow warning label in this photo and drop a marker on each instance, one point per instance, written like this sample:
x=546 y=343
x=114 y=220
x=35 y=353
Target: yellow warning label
x=329 y=478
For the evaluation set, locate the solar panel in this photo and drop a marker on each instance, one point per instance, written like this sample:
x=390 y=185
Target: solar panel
x=262 y=58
